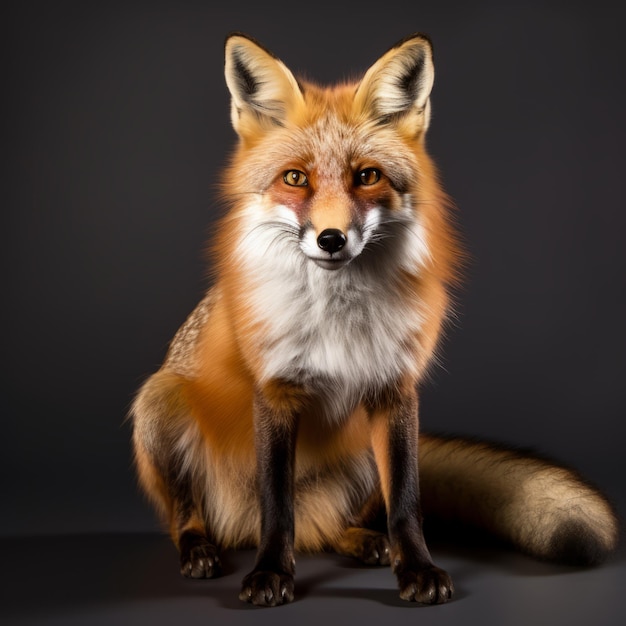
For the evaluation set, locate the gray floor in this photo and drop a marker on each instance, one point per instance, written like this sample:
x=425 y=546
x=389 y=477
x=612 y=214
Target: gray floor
x=133 y=579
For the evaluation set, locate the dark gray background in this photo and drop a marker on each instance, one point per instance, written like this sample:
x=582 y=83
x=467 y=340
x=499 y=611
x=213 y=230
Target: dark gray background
x=115 y=127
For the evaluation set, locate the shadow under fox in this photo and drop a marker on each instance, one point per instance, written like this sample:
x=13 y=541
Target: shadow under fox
x=285 y=415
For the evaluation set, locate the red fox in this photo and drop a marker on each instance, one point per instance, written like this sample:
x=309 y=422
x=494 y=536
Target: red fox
x=285 y=415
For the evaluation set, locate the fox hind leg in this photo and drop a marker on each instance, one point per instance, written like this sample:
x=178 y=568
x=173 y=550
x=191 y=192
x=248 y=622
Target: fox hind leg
x=170 y=471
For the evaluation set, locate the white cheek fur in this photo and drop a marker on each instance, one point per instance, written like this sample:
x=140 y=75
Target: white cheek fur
x=415 y=252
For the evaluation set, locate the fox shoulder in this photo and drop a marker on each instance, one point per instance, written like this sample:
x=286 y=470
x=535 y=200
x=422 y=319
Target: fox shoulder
x=181 y=357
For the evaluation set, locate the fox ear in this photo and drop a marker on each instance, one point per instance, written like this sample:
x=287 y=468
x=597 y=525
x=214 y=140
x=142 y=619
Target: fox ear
x=263 y=91
x=398 y=85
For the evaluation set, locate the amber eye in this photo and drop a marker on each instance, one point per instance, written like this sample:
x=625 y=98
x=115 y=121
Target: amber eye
x=295 y=178
x=368 y=176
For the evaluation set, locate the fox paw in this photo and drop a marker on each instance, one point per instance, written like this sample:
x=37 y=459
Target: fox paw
x=374 y=548
x=430 y=585
x=368 y=546
x=266 y=588
x=200 y=560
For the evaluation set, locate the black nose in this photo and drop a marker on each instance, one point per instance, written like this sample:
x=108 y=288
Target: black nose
x=331 y=240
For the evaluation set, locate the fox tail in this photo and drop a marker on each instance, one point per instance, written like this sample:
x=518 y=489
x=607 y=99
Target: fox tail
x=546 y=510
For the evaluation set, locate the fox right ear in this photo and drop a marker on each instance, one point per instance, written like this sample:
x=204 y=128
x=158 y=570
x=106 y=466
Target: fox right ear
x=263 y=91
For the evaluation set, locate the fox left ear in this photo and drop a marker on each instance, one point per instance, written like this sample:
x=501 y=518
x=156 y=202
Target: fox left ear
x=398 y=85
x=262 y=88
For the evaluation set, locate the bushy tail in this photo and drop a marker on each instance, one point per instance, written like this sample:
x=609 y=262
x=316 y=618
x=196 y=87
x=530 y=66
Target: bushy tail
x=545 y=510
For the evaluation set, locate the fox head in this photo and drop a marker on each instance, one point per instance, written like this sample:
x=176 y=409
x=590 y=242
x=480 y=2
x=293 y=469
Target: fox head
x=333 y=174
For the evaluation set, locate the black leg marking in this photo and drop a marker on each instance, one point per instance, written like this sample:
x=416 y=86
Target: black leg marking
x=199 y=556
x=418 y=578
x=271 y=582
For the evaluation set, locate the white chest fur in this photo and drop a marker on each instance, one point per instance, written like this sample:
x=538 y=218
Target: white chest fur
x=350 y=328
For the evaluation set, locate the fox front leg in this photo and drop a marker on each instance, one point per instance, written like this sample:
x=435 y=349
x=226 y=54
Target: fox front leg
x=271 y=582
x=394 y=440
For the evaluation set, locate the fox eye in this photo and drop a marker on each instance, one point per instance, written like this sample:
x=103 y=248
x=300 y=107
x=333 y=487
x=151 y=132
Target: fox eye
x=295 y=178
x=368 y=176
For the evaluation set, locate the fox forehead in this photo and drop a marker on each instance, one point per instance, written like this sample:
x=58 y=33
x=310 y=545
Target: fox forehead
x=330 y=142
x=334 y=146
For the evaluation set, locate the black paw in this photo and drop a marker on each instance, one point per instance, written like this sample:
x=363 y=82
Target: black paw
x=430 y=585
x=375 y=549
x=265 y=588
x=200 y=560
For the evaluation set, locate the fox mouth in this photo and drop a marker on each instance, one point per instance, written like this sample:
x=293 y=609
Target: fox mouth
x=331 y=263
